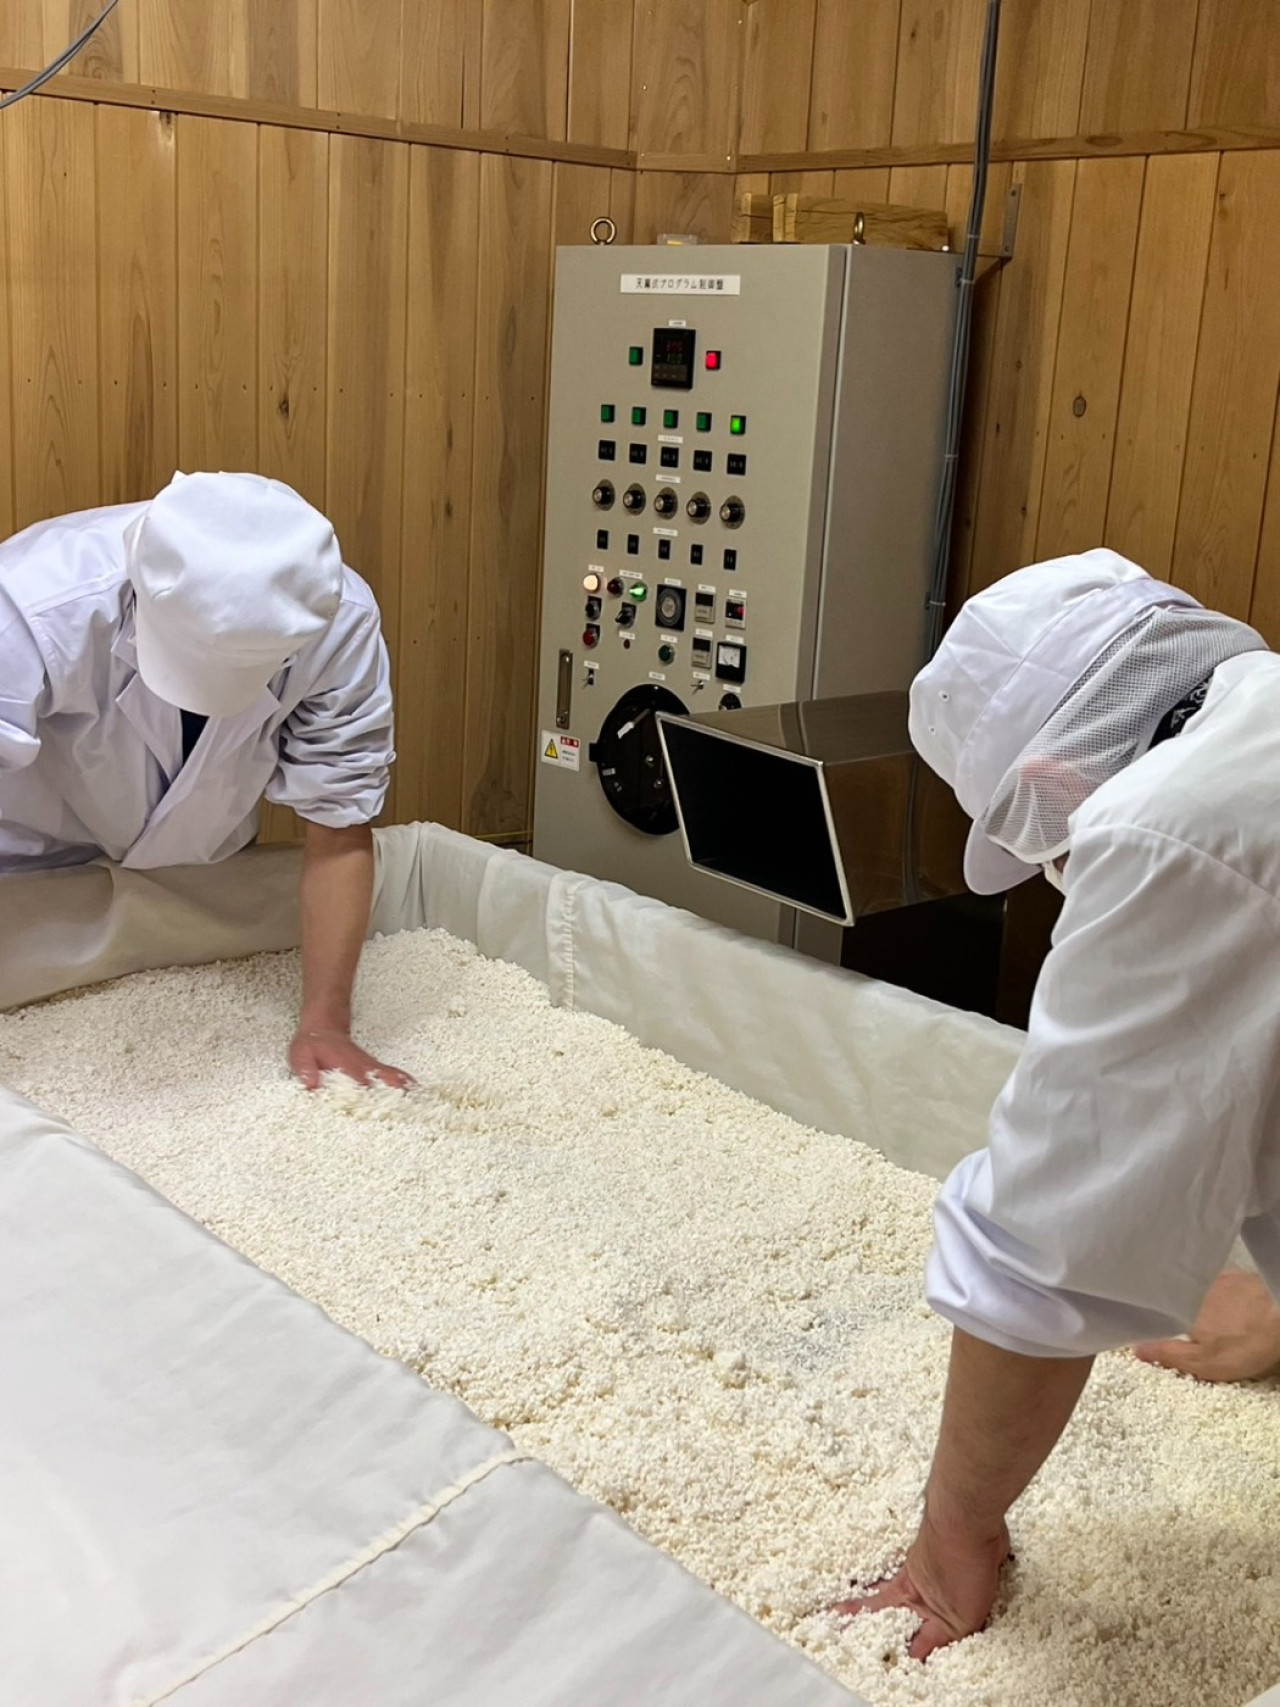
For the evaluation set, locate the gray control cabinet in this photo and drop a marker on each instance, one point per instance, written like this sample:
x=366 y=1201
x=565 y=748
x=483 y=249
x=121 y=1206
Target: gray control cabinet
x=744 y=457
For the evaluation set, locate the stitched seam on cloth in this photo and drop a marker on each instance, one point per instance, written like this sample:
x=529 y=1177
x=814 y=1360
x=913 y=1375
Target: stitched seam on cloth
x=384 y=1544
x=567 y=943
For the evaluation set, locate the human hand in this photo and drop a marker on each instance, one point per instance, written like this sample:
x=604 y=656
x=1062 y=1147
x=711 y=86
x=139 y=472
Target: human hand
x=1236 y=1336
x=313 y=1053
x=949 y=1579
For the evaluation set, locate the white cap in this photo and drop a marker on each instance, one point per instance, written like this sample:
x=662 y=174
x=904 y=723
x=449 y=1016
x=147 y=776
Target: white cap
x=1007 y=662
x=232 y=573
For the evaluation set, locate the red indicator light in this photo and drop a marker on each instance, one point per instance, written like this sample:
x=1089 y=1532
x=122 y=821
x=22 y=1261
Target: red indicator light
x=713 y=361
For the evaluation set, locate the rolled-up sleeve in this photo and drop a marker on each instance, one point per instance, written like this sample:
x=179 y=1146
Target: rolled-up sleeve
x=336 y=746
x=23 y=689
x=1124 y=1152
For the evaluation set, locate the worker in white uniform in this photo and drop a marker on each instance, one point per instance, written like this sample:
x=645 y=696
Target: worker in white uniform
x=163 y=665
x=1103 y=727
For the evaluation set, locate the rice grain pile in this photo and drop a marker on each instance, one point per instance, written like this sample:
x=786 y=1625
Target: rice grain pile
x=691 y=1307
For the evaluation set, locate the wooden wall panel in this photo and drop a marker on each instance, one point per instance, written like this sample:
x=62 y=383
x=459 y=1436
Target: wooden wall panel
x=1233 y=404
x=22 y=36
x=582 y=194
x=867 y=183
x=440 y=61
x=1235 y=78
x=7 y=288
x=506 y=493
x=918 y=186
x=622 y=204
x=112 y=54
x=293 y=309
x=1138 y=68
x=443 y=262
x=53 y=307
x=1040 y=71
x=697 y=202
x=282 y=51
x=1025 y=350
x=777 y=75
x=368 y=304
x=359 y=56
x=939 y=50
x=1160 y=359
x=137 y=301
x=1264 y=611
x=524 y=82
x=193 y=44
x=217 y=294
x=685 y=76
x=601 y=37
x=1091 y=345
x=855 y=73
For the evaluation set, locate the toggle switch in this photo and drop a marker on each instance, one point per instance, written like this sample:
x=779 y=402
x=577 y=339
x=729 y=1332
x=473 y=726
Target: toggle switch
x=626 y=616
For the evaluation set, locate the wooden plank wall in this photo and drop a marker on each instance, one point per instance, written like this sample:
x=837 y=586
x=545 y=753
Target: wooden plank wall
x=304 y=286
x=1127 y=360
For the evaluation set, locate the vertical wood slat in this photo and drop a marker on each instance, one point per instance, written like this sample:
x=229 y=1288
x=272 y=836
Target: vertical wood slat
x=939 y=52
x=918 y=186
x=368 y=304
x=293 y=188
x=1233 y=403
x=700 y=203
x=601 y=42
x=777 y=75
x=1040 y=72
x=443 y=263
x=282 y=51
x=524 y=82
x=440 y=60
x=1235 y=78
x=194 y=44
x=515 y=223
x=137 y=301
x=1160 y=358
x=359 y=56
x=112 y=52
x=53 y=307
x=1091 y=345
x=865 y=183
x=1156 y=35
x=684 y=74
x=22 y=29
x=855 y=70
x=1026 y=338
x=1264 y=609
x=217 y=294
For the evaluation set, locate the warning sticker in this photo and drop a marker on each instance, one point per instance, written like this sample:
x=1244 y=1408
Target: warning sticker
x=561 y=750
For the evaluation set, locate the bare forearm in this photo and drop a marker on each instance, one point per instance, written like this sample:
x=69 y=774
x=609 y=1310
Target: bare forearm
x=337 y=892
x=1003 y=1416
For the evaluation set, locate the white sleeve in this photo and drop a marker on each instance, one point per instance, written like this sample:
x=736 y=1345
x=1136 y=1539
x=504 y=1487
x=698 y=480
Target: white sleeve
x=1124 y=1151
x=24 y=688
x=336 y=748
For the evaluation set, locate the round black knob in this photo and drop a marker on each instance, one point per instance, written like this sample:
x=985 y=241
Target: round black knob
x=603 y=495
x=633 y=499
x=699 y=507
x=733 y=512
x=666 y=503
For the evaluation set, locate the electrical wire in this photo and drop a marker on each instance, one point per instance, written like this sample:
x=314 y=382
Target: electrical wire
x=64 y=58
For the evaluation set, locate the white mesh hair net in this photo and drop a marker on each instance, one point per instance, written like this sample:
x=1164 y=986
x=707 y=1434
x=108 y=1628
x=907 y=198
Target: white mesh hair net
x=1105 y=722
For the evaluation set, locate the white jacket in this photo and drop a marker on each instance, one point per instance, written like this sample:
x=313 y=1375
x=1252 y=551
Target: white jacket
x=1140 y=1131
x=91 y=759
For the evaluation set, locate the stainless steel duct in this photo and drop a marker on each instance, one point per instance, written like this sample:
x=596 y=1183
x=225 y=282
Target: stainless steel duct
x=811 y=804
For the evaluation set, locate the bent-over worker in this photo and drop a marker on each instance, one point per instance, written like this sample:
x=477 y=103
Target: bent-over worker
x=1107 y=729
x=163 y=665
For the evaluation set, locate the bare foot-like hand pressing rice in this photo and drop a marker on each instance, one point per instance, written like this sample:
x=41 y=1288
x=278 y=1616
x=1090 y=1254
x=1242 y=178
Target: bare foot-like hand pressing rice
x=950 y=1580
x=1236 y=1336
x=314 y=1053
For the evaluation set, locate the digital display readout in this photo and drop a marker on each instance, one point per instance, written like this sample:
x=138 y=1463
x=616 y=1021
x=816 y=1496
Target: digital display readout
x=674 y=348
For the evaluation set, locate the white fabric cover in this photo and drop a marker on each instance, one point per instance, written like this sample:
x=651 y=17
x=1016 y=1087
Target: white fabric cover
x=213 y=1495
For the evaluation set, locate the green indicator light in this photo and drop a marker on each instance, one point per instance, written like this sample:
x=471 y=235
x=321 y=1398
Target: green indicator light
x=671 y=419
x=608 y=414
x=637 y=356
x=639 y=417
x=704 y=423
x=638 y=593
x=737 y=425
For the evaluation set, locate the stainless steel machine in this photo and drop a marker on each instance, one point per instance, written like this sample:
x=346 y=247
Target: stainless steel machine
x=744 y=459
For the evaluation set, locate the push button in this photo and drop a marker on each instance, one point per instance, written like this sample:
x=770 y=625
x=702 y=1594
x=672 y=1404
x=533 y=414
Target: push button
x=607 y=450
x=670 y=456
x=737 y=464
x=703 y=461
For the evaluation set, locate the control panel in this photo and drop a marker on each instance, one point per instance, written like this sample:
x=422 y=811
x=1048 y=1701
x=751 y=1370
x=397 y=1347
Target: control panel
x=697 y=434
